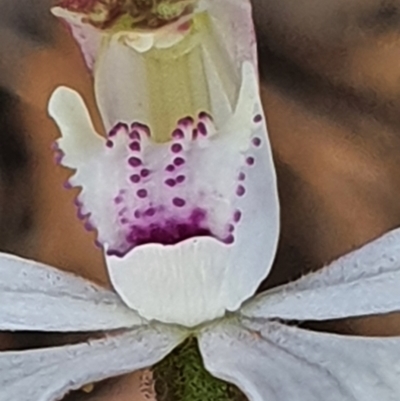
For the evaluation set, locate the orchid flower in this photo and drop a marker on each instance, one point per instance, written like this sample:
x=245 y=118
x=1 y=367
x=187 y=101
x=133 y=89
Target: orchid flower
x=182 y=193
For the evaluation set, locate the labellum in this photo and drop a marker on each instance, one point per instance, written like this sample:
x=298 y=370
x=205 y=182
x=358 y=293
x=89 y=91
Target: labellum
x=182 y=192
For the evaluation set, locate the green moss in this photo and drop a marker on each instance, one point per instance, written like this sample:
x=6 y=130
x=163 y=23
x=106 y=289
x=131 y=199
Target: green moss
x=181 y=376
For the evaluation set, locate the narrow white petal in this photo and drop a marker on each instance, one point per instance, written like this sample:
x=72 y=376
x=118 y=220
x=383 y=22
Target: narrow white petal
x=363 y=282
x=48 y=374
x=275 y=362
x=34 y=296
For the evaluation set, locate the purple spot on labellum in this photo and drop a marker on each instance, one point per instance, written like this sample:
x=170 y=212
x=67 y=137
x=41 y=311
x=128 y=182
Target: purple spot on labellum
x=256 y=142
x=186 y=121
x=81 y=215
x=88 y=226
x=58 y=156
x=170 y=168
x=135 y=135
x=178 y=134
x=135 y=146
x=124 y=221
x=178 y=161
x=158 y=233
x=166 y=232
x=237 y=216
x=176 y=148
x=240 y=191
x=250 y=161
x=180 y=179
x=120 y=126
x=142 y=193
x=135 y=231
x=116 y=253
x=204 y=116
x=145 y=173
x=135 y=162
x=137 y=214
x=230 y=239
x=242 y=176
x=231 y=228
x=178 y=202
x=258 y=118
x=109 y=143
x=195 y=133
x=141 y=127
x=135 y=178
x=170 y=182
x=54 y=147
x=150 y=212
x=118 y=200
x=146 y=130
x=197 y=216
x=202 y=128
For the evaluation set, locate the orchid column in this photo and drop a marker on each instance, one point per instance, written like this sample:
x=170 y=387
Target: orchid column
x=179 y=188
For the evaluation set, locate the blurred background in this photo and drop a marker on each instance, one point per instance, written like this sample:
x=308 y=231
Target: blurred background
x=331 y=90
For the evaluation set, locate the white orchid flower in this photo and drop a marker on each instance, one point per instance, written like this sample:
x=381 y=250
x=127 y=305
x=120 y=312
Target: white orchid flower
x=183 y=196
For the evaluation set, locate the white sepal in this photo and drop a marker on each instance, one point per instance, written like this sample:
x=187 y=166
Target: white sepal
x=363 y=282
x=37 y=297
x=49 y=374
x=274 y=362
